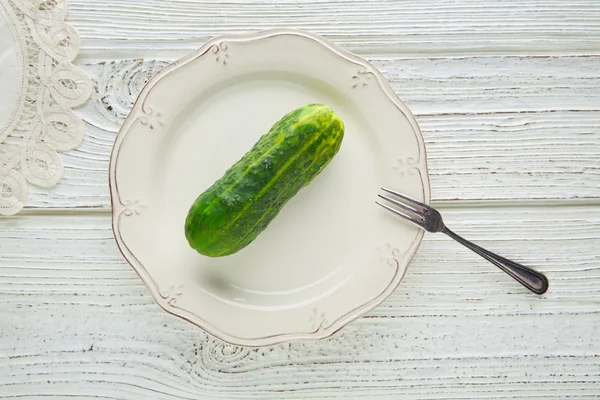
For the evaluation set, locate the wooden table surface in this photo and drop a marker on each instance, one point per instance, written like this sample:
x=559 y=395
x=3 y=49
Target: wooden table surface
x=507 y=94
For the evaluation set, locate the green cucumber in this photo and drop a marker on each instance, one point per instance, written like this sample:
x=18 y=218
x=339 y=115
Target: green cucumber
x=230 y=214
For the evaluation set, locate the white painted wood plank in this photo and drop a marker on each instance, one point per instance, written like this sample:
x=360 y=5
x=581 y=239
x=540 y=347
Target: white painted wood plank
x=77 y=321
x=469 y=85
x=165 y=28
x=506 y=93
x=531 y=123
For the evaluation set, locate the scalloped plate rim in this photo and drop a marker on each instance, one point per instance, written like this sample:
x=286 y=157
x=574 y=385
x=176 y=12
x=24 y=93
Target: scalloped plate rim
x=117 y=206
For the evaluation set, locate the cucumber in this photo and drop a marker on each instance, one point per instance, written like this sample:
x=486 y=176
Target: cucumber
x=230 y=214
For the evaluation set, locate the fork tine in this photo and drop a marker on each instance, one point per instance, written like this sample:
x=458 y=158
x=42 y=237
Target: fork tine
x=413 y=202
x=400 y=204
x=403 y=215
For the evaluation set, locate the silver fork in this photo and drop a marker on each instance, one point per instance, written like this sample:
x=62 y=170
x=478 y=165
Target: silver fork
x=430 y=220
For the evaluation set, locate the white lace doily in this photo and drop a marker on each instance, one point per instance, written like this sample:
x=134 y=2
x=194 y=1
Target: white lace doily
x=38 y=88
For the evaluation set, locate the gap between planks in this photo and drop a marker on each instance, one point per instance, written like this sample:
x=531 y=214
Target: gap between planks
x=441 y=204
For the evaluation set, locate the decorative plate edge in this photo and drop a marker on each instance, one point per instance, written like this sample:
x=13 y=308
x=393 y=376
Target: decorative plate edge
x=120 y=207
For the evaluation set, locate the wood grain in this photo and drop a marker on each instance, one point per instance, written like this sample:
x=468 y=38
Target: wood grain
x=77 y=320
x=507 y=94
x=515 y=75
x=530 y=122
x=151 y=28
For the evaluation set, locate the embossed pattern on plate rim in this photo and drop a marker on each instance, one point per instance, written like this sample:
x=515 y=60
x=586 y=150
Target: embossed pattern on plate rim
x=121 y=207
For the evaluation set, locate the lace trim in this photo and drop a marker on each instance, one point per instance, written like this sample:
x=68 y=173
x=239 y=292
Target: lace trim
x=42 y=123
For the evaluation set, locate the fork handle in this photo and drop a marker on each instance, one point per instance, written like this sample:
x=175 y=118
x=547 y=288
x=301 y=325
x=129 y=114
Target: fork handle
x=530 y=278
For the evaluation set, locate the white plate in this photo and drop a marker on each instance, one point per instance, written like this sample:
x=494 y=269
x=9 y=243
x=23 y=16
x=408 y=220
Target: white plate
x=331 y=254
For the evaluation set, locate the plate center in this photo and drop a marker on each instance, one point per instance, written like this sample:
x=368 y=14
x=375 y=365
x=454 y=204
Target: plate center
x=313 y=241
